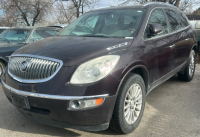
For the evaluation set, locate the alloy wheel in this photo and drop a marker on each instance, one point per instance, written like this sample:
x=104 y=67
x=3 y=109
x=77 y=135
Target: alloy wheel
x=133 y=103
x=192 y=65
x=1 y=71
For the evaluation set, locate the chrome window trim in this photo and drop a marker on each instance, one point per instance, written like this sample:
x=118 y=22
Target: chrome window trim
x=34 y=56
x=170 y=33
x=47 y=96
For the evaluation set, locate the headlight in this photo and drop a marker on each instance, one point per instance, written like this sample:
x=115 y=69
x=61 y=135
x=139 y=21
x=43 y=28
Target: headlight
x=94 y=70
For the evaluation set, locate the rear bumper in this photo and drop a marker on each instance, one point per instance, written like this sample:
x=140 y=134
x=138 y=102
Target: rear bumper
x=53 y=110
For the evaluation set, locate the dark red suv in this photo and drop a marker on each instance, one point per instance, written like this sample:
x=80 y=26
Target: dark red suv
x=98 y=71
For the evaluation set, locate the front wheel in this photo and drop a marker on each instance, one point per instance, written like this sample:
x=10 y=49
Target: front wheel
x=129 y=106
x=2 y=67
x=190 y=68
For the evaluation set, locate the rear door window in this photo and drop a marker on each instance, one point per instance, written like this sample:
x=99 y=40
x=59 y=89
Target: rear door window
x=173 y=20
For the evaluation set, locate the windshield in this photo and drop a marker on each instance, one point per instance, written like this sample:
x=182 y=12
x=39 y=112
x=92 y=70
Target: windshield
x=107 y=23
x=17 y=36
x=41 y=34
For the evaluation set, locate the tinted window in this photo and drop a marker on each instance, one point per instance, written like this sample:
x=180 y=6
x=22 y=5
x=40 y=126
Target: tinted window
x=106 y=23
x=157 y=16
x=41 y=34
x=110 y=20
x=173 y=20
x=128 y=20
x=183 y=19
x=15 y=35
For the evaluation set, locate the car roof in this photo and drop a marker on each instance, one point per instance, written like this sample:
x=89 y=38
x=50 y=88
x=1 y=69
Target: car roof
x=147 y=5
x=117 y=8
x=59 y=25
x=4 y=27
x=20 y=28
x=36 y=28
x=47 y=28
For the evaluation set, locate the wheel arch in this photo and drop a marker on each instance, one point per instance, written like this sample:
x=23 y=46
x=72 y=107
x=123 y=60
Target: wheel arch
x=195 y=48
x=137 y=69
x=5 y=61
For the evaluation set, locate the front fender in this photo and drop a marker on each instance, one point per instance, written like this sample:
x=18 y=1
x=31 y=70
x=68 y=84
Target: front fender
x=138 y=64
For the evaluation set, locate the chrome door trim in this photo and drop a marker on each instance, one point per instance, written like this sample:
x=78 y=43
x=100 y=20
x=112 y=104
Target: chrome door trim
x=172 y=46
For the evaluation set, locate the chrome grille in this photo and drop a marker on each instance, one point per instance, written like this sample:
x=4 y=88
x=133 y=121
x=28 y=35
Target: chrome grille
x=33 y=69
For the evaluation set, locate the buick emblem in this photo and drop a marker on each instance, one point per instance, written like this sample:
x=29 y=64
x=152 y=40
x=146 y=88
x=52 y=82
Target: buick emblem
x=24 y=65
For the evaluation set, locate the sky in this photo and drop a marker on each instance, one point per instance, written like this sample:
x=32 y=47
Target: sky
x=106 y=3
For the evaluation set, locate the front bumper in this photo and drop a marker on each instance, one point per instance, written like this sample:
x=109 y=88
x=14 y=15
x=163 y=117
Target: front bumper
x=53 y=110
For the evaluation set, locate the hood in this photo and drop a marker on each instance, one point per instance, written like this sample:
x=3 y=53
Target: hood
x=73 y=50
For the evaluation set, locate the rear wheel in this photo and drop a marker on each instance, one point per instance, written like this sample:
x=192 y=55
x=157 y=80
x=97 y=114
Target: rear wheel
x=129 y=106
x=190 y=68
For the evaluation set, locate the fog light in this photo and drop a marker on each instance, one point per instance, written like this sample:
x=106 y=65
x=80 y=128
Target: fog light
x=83 y=104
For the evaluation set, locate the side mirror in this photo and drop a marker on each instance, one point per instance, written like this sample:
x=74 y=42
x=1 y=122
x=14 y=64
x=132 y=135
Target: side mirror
x=155 y=29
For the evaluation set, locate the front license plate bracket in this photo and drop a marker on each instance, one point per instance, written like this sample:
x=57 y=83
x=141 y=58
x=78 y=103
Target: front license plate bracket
x=20 y=101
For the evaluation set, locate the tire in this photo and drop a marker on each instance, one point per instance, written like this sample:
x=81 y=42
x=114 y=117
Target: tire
x=118 y=122
x=188 y=73
x=2 y=67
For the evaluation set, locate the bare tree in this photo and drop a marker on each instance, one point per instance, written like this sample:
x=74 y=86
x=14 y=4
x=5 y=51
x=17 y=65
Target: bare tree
x=25 y=12
x=71 y=9
x=196 y=12
x=83 y=5
x=184 y=5
x=65 y=12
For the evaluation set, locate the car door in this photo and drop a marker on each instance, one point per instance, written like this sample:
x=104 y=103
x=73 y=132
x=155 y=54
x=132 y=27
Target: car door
x=189 y=37
x=163 y=61
x=179 y=38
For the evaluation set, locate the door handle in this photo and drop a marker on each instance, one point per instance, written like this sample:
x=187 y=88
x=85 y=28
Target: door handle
x=172 y=46
x=187 y=39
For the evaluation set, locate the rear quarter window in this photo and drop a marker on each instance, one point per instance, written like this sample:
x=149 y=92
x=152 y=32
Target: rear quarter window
x=184 y=19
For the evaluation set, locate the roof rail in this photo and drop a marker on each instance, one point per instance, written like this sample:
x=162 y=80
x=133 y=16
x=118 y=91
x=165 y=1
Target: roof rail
x=104 y=7
x=163 y=3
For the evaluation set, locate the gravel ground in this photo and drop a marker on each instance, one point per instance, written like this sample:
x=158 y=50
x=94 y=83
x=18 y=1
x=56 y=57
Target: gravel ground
x=172 y=109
